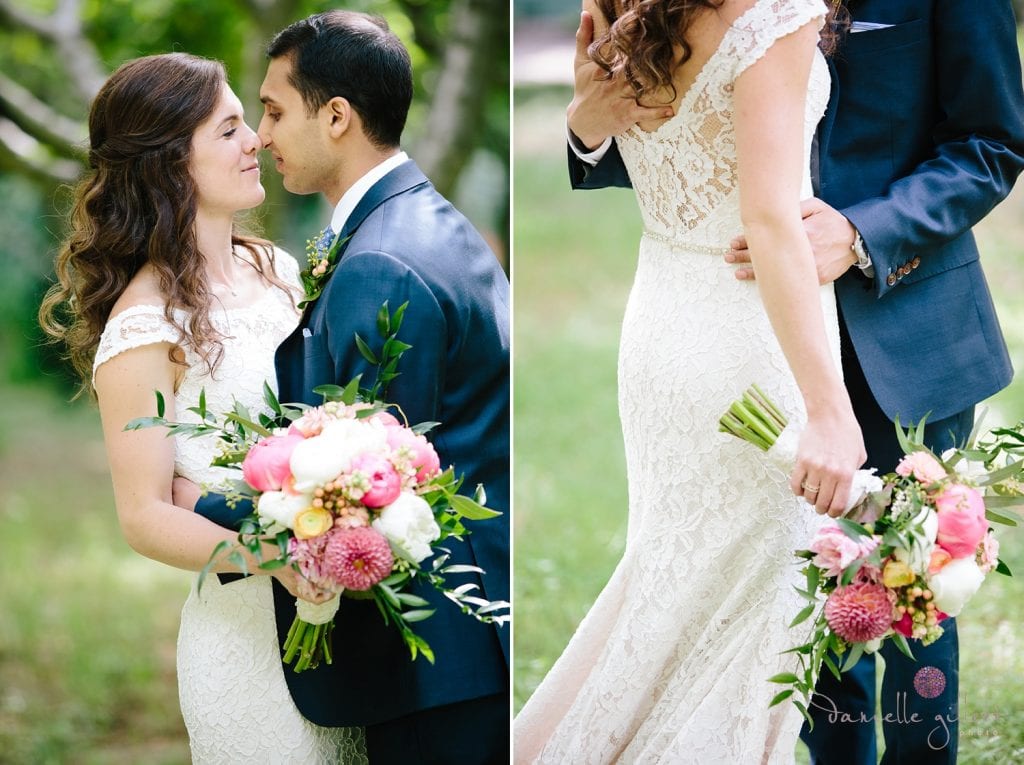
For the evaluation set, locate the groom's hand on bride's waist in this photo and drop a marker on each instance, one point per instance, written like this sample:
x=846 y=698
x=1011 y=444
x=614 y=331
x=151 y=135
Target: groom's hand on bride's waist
x=601 y=107
x=831 y=236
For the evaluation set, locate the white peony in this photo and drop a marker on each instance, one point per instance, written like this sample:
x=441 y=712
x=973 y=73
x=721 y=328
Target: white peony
x=323 y=458
x=281 y=508
x=955 y=584
x=409 y=526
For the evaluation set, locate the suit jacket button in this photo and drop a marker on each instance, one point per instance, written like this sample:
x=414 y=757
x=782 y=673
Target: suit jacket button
x=890 y=279
x=916 y=261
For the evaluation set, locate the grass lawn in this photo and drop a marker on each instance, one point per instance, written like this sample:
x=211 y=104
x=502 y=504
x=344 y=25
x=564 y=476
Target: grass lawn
x=575 y=253
x=88 y=628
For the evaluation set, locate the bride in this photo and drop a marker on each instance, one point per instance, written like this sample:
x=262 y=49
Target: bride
x=158 y=291
x=670 y=664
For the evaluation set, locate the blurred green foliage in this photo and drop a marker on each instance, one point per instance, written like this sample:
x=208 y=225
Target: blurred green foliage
x=474 y=173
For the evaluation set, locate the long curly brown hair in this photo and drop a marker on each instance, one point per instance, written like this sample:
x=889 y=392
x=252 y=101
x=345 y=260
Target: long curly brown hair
x=646 y=39
x=137 y=205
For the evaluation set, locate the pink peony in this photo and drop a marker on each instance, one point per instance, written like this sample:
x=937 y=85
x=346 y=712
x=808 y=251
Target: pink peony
x=418 y=449
x=357 y=558
x=859 y=612
x=923 y=466
x=835 y=551
x=385 y=483
x=266 y=466
x=962 y=523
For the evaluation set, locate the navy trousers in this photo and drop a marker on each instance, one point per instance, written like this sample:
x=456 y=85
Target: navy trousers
x=474 y=732
x=919 y=697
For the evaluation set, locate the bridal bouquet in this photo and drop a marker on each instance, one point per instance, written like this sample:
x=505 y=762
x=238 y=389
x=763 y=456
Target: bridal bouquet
x=914 y=546
x=351 y=497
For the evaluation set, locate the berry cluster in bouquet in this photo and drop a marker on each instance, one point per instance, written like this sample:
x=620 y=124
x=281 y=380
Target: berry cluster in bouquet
x=913 y=548
x=351 y=497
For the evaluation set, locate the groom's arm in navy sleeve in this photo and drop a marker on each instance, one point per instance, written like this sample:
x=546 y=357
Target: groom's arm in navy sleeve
x=214 y=507
x=609 y=171
x=979 y=141
x=371 y=278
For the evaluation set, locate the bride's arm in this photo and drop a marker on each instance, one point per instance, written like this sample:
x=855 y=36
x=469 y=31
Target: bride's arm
x=142 y=465
x=770 y=98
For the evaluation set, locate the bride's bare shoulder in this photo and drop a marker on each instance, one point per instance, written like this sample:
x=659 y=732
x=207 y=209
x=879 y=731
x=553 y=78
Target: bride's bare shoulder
x=142 y=290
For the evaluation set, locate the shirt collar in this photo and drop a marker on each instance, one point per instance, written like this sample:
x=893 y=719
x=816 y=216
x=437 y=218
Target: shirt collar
x=358 y=190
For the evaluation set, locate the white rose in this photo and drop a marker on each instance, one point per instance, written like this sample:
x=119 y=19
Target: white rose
x=409 y=525
x=955 y=584
x=281 y=508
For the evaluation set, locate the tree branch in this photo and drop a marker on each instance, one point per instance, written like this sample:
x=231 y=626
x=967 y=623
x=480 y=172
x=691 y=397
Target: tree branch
x=423 y=29
x=21 y=153
x=64 y=29
x=457 y=109
x=64 y=135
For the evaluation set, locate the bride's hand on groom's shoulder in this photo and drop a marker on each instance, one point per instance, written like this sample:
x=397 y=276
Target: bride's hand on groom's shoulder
x=831 y=236
x=601 y=107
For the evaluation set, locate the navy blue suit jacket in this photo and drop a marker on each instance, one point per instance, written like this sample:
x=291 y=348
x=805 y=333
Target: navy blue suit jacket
x=923 y=136
x=409 y=244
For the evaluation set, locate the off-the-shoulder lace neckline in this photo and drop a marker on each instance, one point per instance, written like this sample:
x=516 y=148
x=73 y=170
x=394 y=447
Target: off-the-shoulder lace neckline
x=143 y=308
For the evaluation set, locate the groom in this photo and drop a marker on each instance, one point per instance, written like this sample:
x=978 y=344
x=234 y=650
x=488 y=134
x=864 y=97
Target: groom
x=336 y=96
x=924 y=134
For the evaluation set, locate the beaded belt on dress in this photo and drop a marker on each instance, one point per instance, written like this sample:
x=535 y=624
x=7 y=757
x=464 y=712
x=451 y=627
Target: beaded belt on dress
x=706 y=249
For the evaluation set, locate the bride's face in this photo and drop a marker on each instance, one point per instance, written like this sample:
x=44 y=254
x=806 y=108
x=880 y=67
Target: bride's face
x=223 y=164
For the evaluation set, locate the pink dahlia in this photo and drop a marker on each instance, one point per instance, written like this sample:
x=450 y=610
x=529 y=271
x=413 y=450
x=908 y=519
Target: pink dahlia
x=859 y=612
x=357 y=558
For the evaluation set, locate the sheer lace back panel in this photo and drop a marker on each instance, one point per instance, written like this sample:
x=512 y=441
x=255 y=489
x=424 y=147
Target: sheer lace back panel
x=684 y=172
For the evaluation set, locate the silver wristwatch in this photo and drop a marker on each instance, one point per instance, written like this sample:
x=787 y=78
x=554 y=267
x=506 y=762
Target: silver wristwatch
x=863 y=259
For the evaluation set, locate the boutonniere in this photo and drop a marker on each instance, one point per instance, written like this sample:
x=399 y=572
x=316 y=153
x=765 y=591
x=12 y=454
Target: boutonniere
x=321 y=259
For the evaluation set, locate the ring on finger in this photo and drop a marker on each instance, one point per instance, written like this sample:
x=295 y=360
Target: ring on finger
x=809 y=487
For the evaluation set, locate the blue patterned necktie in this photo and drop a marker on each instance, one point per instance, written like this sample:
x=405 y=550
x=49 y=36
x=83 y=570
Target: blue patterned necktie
x=323 y=241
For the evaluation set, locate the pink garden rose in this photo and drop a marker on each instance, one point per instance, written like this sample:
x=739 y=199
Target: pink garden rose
x=962 y=523
x=385 y=483
x=923 y=466
x=421 y=452
x=835 y=551
x=266 y=466
x=988 y=553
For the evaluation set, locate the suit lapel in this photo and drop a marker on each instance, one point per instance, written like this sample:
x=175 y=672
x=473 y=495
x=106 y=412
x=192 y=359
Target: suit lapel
x=404 y=177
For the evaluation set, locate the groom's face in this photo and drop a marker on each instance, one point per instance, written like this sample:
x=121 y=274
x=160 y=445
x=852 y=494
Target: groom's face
x=297 y=141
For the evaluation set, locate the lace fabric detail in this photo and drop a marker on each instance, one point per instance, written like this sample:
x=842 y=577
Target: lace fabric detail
x=671 y=663
x=234 y=699
x=684 y=172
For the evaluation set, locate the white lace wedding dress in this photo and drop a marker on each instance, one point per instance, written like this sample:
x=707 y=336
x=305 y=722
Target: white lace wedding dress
x=231 y=685
x=671 y=663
